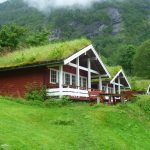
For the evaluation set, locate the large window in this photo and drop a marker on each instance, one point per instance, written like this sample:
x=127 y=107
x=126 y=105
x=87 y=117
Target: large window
x=54 y=76
x=68 y=78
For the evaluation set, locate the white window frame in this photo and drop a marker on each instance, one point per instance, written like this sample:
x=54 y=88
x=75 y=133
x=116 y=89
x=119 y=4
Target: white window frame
x=64 y=73
x=57 y=76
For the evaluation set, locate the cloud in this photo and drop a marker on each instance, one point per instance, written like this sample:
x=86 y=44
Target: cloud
x=47 y=4
x=1 y=1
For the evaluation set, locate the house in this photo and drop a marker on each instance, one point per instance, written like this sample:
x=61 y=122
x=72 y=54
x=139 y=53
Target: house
x=148 y=90
x=65 y=68
x=117 y=83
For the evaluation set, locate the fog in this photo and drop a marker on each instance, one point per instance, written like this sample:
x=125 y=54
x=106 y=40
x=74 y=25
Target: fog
x=1 y=1
x=44 y=5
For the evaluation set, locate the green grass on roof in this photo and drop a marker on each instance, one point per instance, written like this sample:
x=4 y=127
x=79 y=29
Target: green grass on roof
x=114 y=70
x=50 y=52
x=139 y=84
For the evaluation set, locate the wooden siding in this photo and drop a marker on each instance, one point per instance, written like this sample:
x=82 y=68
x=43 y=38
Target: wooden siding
x=14 y=82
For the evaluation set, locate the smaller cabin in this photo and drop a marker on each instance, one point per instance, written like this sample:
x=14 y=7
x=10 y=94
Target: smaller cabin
x=117 y=83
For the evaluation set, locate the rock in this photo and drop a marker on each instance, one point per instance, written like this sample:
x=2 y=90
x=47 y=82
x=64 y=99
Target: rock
x=115 y=20
x=55 y=34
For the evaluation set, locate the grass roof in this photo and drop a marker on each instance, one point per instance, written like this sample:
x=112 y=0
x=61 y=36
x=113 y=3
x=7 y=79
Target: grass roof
x=36 y=55
x=113 y=70
x=139 y=84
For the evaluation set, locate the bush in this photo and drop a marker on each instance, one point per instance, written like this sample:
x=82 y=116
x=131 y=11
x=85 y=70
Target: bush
x=143 y=102
x=34 y=93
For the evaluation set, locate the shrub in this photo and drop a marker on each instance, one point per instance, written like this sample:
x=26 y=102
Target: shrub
x=58 y=102
x=34 y=93
x=64 y=122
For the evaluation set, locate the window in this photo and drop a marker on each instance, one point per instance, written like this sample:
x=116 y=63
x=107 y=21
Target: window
x=67 y=79
x=73 y=80
x=80 y=82
x=84 y=82
x=54 y=76
x=104 y=88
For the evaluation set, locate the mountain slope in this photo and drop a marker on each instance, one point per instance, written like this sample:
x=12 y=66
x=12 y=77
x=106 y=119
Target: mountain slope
x=18 y=12
x=109 y=24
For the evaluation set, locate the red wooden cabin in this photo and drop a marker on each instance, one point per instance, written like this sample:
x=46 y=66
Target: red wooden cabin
x=70 y=76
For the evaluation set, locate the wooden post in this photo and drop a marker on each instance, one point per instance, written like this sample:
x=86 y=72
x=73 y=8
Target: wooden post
x=119 y=88
x=100 y=83
x=107 y=88
x=89 y=73
x=98 y=100
x=114 y=89
x=77 y=73
x=61 y=79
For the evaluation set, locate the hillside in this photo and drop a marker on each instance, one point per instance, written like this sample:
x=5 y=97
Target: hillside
x=109 y=24
x=74 y=126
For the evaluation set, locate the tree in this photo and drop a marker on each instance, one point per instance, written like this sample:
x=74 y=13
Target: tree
x=37 y=38
x=142 y=60
x=126 y=58
x=11 y=35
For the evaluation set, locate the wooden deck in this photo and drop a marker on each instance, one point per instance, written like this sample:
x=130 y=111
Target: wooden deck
x=102 y=97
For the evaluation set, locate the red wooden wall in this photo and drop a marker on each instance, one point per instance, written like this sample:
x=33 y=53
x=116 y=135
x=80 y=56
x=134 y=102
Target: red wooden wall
x=14 y=82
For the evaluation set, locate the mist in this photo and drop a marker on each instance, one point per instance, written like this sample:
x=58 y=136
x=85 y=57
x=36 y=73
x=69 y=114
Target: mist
x=2 y=1
x=44 y=5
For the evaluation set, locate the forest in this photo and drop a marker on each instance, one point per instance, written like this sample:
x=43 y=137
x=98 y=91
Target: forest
x=120 y=31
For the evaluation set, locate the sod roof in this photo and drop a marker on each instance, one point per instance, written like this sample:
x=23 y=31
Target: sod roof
x=112 y=70
x=36 y=55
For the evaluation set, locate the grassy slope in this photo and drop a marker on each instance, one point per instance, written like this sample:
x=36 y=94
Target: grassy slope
x=32 y=127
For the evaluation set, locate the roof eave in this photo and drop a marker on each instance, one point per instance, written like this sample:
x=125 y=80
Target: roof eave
x=32 y=65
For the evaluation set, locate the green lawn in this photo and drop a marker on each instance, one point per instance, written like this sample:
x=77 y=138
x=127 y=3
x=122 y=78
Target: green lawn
x=76 y=126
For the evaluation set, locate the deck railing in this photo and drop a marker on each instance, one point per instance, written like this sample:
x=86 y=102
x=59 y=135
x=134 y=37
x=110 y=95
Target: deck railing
x=67 y=91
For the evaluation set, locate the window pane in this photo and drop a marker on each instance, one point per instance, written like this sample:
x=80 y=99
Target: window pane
x=73 y=80
x=67 y=79
x=53 y=76
x=80 y=82
x=84 y=83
